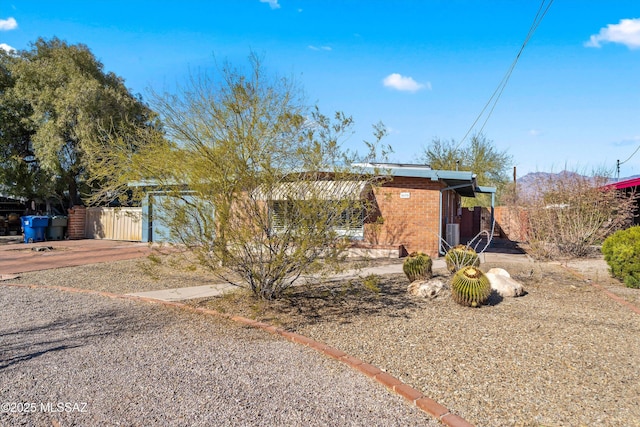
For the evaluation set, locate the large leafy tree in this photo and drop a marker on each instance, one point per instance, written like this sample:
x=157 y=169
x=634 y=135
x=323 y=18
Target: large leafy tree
x=479 y=156
x=255 y=184
x=57 y=101
x=19 y=172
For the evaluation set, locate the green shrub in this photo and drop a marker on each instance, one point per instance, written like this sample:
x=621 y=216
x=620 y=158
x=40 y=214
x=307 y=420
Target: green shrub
x=461 y=256
x=418 y=266
x=372 y=283
x=622 y=252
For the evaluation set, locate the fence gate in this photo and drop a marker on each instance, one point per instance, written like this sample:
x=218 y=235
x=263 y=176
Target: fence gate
x=114 y=224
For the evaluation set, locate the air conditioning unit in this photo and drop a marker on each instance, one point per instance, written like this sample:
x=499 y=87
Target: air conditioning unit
x=453 y=234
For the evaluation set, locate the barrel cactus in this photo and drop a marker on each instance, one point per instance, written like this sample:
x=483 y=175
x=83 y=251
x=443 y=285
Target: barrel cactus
x=470 y=287
x=461 y=256
x=418 y=266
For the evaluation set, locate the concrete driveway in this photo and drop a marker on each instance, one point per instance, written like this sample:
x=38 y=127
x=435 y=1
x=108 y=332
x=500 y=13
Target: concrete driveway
x=18 y=257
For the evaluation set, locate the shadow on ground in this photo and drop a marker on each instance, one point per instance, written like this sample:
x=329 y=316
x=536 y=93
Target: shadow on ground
x=338 y=301
x=504 y=246
x=34 y=338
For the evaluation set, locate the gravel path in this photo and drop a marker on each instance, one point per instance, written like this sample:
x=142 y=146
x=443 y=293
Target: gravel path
x=118 y=362
x=120 y=277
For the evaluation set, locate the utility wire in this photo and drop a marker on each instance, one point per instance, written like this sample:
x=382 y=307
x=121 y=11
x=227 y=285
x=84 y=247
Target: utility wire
x=542 y=11
x=618 y=163
x=629 y=158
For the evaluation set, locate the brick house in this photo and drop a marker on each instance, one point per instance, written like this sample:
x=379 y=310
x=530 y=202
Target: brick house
x=415 y=208
x=418 y=206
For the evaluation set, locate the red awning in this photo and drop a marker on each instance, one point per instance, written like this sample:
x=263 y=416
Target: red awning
x=620 y=185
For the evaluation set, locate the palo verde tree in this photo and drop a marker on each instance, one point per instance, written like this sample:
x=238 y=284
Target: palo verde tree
x=57 y=99
x=479 y=156
x=254 y=183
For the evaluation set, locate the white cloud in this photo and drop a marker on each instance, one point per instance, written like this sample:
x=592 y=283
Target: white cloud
x=6 y=47
x=627 y=32
x=634 y=140
x=273 y=4
x=312 y=47
x=534 y=132
x=8 y=24
x=400 y=82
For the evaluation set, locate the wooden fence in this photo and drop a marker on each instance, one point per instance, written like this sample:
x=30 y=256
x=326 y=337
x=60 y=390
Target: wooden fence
x=114 y=224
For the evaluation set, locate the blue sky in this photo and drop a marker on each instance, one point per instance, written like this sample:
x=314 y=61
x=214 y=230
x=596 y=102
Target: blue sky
x=424 y=68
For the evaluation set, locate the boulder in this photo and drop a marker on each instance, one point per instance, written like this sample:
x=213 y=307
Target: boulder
x=503 y=284
x=427 y=288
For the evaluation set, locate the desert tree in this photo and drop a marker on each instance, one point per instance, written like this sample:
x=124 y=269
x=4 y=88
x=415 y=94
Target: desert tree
x=479 y=156
x=254 y=183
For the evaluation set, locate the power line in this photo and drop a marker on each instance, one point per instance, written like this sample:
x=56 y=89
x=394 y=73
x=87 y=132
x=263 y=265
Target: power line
x=542 y=11
x=629 y=158
x=618 y=163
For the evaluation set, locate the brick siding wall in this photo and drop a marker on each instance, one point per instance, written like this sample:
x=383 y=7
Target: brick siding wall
x=76 y=222
x=411 y=222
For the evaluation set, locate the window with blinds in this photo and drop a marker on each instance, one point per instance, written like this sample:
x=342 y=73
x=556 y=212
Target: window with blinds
x=350 y=221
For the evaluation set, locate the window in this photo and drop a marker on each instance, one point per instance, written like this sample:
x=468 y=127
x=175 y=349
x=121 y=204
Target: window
x=349 y=222
x=280 y=211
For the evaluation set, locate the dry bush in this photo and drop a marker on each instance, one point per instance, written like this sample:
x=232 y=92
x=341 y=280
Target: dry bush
x=569 y=213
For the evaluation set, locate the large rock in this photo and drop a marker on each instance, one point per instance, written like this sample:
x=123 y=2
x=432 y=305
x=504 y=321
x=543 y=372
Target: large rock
x=503 y=284
x=427 y=288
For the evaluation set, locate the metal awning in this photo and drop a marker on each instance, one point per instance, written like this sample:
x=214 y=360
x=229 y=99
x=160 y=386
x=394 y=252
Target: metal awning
x=319 y=190
x=462 y=182
x=627 y=183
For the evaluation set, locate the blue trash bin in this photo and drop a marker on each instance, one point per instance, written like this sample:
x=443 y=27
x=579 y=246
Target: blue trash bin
x=34 y=227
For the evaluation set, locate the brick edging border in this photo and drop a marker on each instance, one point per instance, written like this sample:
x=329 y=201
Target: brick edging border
x=393 y=384
x=608 y=293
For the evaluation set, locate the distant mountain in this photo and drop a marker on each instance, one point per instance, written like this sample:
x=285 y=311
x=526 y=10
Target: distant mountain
x=627 y=178
x=533 y=177
x=529 y=183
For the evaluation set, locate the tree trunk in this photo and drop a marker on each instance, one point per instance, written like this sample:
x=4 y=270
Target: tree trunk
x=74 y=198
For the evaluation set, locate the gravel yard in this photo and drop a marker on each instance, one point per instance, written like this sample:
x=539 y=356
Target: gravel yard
x=562 y=355
x=76 y=359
